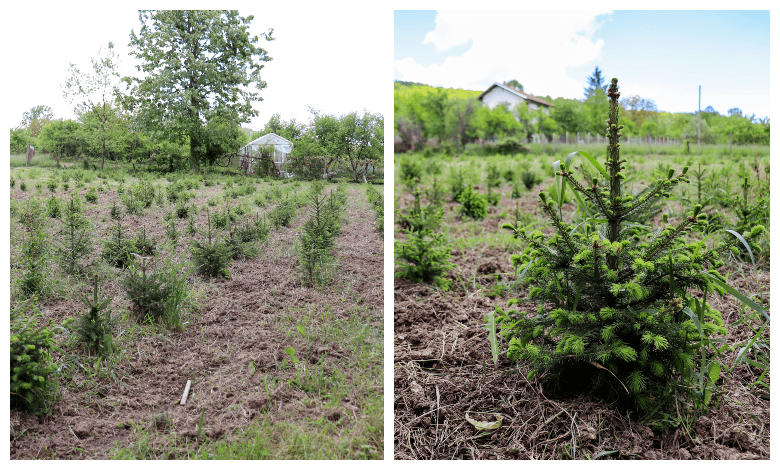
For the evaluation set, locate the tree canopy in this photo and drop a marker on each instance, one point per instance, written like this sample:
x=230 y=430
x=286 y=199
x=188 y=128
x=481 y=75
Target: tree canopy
x=35 y=118
x=454 y=117
x=94 y=96
x=198 y=66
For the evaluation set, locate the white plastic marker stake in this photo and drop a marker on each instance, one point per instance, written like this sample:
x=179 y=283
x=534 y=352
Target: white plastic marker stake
x=186 y=392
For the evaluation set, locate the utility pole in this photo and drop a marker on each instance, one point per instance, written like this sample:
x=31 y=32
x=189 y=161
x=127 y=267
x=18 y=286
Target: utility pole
x=698 y=136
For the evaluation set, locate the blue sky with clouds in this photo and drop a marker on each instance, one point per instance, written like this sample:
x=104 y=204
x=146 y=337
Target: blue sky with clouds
x=661 y=55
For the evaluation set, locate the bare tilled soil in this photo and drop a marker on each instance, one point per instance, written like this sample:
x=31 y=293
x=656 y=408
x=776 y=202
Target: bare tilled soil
x=444 y=372
x=232 y=348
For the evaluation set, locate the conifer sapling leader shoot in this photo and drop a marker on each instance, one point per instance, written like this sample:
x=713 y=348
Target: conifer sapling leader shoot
x=614 y=297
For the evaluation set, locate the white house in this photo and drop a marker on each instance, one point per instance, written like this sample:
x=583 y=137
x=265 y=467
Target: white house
x=282 y=149
x=511 y=97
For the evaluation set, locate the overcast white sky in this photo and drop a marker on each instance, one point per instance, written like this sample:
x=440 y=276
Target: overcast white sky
x=321 y=57
x=660 y=55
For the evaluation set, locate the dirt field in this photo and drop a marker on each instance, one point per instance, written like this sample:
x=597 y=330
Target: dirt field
x=444 y=371
x=245 y=390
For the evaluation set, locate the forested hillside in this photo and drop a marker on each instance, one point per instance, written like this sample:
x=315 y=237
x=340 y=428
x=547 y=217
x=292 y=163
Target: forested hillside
x=432 y=116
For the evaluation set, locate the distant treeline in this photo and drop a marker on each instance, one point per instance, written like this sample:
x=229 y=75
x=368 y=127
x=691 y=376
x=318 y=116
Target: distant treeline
x=430 y=116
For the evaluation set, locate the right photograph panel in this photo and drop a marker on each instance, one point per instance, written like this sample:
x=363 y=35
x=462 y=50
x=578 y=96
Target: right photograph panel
x=581 y=235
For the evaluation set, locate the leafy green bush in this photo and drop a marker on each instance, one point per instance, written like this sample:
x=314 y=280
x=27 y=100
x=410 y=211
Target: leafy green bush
x=474 y=205
x=33 y=374
x=252 y=231
x=51 y=184
x=505 y=146
x=616 y=306
x=283 y=212
x=181 y=190
x=377 y=201
x=260 y=200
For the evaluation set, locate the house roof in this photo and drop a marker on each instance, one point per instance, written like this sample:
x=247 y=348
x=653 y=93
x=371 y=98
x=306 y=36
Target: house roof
x=521 y=94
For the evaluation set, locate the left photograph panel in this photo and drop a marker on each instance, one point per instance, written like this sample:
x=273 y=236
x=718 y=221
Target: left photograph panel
x=196 y=241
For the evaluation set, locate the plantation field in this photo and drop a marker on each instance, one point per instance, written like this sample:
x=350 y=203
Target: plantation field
x=453 y=402
x=283 y=348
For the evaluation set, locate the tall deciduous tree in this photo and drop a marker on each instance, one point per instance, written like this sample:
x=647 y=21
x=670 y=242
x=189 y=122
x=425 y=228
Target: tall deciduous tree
x=327 y=137
x=94 y=95
x=366 y=141
x=198 y=66
x=37 y=117
x=515 y=84
x=459 y=118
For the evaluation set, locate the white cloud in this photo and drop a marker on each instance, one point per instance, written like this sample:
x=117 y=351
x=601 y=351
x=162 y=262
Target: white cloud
x=534 y=47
